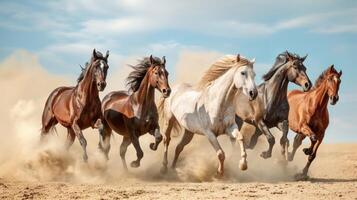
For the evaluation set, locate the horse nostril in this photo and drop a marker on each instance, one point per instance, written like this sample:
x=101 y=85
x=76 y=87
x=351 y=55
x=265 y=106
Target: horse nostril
x=251 y=93
x=164 y=91
x=307 y=85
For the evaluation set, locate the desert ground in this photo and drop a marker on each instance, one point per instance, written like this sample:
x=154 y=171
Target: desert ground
x=52 y=173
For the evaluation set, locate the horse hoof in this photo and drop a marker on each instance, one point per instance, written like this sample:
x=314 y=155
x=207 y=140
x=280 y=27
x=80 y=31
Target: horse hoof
x=135 y=164
x=243 y=165
x=219 y=175
x=265 y=155
x=301 y=177
x=307 y=151
x=163 y=170
x=153 y=146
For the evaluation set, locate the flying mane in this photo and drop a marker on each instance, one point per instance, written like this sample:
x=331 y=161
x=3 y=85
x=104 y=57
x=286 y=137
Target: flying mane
x=137 y=75
x=220 y=67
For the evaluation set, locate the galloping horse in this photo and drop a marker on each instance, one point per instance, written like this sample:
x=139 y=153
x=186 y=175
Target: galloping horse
x=209 y=108
x=270 y=109
x=308 y=114
x=78 y=108
x=134 y=114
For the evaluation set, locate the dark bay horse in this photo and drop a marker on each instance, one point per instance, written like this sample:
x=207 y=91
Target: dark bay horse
x=78 y=107
x=134 y=113
x=270 y=109
x=308 y=115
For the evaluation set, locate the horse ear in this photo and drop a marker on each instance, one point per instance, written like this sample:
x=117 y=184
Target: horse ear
x=151 y=59
x=94 y=54
x=340 y=73
x=163 y=60
x=253 y=61
x=107 y=55
x=238 y=57
x=332 y=67
x=290 y=57
x=303 y=58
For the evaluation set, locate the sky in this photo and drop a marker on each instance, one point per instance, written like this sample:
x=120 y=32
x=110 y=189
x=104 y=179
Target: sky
x=62 y=35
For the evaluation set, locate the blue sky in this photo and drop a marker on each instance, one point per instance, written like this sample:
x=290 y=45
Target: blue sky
x=63 y=33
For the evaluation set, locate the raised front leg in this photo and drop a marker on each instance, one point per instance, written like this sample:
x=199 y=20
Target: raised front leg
x=186 y=138
x=139 y=152
x=81 y=139
x=271 y=140
x=158 y=138
x=284 y=141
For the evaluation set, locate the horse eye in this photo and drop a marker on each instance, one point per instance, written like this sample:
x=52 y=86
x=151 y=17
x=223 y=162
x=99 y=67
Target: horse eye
x=243 y=73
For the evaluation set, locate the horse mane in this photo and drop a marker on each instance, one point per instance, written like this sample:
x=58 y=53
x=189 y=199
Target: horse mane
x=137 y=75
x=280 y=60
x=322 y=76
x=87 y=65
x=220 y=67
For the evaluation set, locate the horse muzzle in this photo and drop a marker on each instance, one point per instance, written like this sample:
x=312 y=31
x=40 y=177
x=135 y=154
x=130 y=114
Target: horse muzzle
x=101 y=86
x=307 y=86
x=166 y=92
x=334 y=99
x=253 y=94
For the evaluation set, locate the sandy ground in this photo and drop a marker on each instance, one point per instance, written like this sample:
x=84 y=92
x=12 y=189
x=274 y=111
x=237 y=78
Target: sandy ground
x=332 y=175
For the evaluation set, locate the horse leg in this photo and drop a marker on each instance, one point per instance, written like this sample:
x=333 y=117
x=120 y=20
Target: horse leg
x=104 y=139
x=234 y=132
x=158 y=138
x=123 y=147
x=220 y=153
x=46 y=127
x=284 y=141
x=297 y=142
x=139 y=151
x=186 y=138
x=71 y=136
x=270 y=138
x=311 y=157
x=308 y=151
x=167 y=138
x=81 y=139
x=254 y=139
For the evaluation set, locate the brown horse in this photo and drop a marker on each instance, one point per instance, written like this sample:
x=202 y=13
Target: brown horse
x=134 y=114
x=308 y=114
x=78 y=108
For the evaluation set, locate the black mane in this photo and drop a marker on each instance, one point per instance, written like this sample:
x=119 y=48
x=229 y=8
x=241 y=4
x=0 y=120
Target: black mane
x=280 y=60
x=136 y=77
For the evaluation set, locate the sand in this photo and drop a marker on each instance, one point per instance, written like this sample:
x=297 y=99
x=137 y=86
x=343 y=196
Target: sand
x=54 y=174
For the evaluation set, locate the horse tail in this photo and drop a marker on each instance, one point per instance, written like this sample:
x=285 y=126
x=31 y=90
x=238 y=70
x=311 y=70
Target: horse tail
x=167 y=119
x=48 y=119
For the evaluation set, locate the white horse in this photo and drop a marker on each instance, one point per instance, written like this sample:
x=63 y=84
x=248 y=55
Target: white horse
x=209 y=108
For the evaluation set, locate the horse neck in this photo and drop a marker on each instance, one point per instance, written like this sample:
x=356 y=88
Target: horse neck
x=87 y=86
x=222 y=91
x=276 y=88
x=144 y=96
x=320 y=97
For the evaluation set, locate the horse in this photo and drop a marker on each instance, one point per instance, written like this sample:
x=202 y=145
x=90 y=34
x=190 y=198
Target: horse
x=208 y=108
x=309 y=117
x=270 y=109
x=134 y=113
x=78 y=107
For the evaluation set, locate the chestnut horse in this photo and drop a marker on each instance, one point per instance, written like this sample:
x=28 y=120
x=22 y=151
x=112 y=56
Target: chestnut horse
x=308 y=114
x=134 y=114
x=78 y=108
